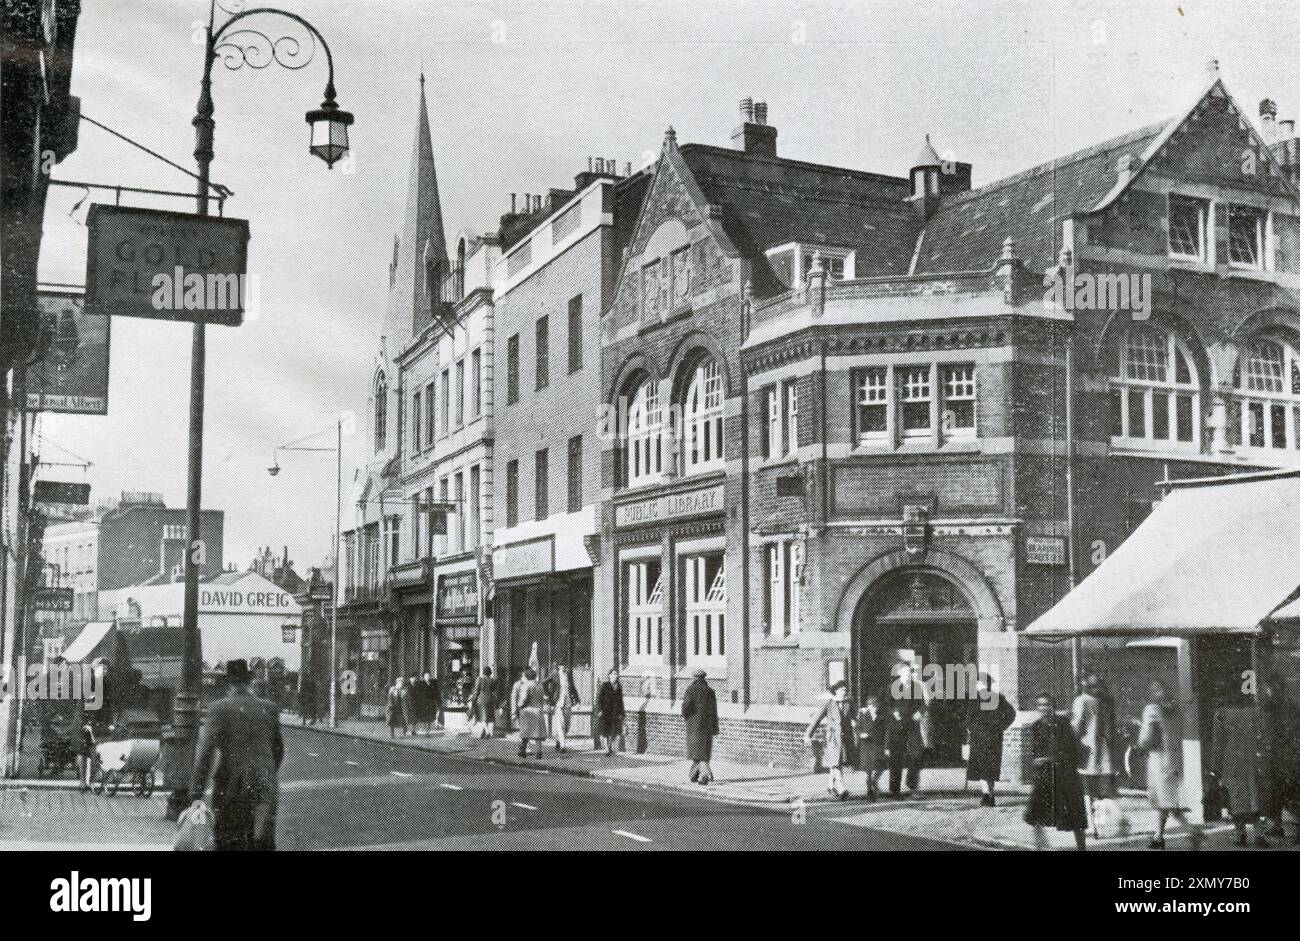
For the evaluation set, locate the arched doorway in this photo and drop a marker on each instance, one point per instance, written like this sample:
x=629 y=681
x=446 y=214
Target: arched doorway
x=917 y=615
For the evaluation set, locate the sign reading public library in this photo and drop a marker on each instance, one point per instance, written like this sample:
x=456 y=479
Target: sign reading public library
x=166 y=265
x=669 y=507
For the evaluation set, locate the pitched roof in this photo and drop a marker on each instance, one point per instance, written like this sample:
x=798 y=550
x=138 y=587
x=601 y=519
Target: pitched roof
x=967 y=231
x=767 y=202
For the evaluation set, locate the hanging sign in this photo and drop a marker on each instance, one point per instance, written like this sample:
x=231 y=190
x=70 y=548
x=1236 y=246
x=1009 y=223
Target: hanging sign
x=166 y=265
x=70 y=373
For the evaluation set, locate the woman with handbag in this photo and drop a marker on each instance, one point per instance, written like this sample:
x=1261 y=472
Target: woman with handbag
x=841 y=738
x=1162 y=740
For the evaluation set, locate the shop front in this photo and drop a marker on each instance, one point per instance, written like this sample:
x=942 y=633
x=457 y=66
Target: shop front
x=541 y=609
x=1198 y=598
x=458 y=636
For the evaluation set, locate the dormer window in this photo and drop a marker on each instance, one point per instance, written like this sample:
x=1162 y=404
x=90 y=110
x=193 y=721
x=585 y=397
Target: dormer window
x=1188 y=222
x=1246 y=237
x=792 y=263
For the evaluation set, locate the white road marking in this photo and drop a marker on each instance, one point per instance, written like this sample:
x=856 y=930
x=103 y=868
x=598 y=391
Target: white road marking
x=632 y=836
x=524 y=806
x=400 y=774
x=352 y=763
x=312 y=754
x=452 y=787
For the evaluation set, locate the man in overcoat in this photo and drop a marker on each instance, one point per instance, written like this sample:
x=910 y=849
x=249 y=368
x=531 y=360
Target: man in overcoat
x=700 y=710
x=241 y=738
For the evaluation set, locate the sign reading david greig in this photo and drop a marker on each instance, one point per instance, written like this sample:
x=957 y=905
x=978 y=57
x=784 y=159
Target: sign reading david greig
x=166 y=265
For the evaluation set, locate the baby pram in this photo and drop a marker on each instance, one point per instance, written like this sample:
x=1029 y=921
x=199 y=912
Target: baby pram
x=116 y=761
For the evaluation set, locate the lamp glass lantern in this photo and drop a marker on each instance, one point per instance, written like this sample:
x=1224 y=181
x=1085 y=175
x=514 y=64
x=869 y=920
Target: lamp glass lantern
x=329 y=129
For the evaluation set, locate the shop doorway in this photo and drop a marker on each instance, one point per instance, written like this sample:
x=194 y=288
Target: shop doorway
x=919 y=617
x=457 y=667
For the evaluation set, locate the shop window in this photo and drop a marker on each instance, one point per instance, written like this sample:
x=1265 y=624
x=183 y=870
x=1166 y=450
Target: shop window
x=1188 y=221
x=645 y=610
x=701 y=443
x=643 y=458
x=1267 y=412
x=705 y=586
x=783 y=598
x=1155 y=399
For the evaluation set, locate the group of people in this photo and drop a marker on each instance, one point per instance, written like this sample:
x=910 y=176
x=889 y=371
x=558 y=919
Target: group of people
x=1254 y=763
x=537 y=705
x=414 y=706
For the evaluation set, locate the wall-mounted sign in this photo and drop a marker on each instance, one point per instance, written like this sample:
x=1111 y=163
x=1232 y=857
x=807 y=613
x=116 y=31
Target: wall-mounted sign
x=288 y=633
x=458 y=594
x=52 y=599
x=670 y=507
x=1045 y=550
x=166 y=265
x=58 y=491
x=71 y=370
x=532 y=557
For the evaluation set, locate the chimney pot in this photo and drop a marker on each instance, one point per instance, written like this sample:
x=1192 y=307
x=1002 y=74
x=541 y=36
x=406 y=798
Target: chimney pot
x=747 y=109
x=588 y=164
x=627 y=168
x=513 y=197
x=1268 y=108
x=760 y=112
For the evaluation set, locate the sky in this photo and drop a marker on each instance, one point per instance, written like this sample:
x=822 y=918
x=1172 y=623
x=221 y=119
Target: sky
x=520 y=95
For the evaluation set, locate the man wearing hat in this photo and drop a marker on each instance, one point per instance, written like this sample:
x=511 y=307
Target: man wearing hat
x=700 y=710
x=245 y=731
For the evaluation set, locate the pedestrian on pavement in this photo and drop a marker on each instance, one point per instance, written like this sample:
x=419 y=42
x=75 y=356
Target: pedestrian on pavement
x=307 y=699
x=904 y=747
x=562 y=696
x=1161 y=737
x=527 y=702
x=841 y=738
x=395 y=710
x=1092 y=716
x=700 y=710
x=988 y=717
x=1282 y=719
x=418 y=697
x=413 y=704
x=610 y=711
x=1056 y=793
x=909 y=721
x=483 y=705
x=433 y=702
x=241 y=739
x=1239 y=760
x=873 y=732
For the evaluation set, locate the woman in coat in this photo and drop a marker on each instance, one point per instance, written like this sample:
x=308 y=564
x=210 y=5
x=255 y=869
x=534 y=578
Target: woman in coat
x=987 y=720
x=841 y=738
x=610 y=711
x=562 y=697
x=1093 y=720
x=483 y=704
x=527 y=703
x=1056 y=795
x=700 y=710
x=1239 y=759
x=395 y=710
x=1161 y=738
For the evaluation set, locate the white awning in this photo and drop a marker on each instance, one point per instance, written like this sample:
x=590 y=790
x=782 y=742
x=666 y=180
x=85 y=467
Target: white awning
x=86 y=646
x=1214 y=557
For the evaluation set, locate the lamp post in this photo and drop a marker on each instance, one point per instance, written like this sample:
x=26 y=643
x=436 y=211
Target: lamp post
x=274 y=470
x=236 y=47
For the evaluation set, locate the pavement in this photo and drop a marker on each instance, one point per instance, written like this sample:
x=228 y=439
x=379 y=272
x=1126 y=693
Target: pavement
x=458 y=780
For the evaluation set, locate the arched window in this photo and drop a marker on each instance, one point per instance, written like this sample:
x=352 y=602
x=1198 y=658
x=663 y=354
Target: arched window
x=1267 y=411
x=643 y=453
x=1155 y=399
x=701 y=441
x=381 y=413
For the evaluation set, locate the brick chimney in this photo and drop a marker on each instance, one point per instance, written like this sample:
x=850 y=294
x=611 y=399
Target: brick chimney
x=755 y=136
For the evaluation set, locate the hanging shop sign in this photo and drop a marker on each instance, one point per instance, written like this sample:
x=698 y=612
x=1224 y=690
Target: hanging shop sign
x=61 y=492
x=166 y=265
x=70 y=373
x=458 y=595
x=52 y=599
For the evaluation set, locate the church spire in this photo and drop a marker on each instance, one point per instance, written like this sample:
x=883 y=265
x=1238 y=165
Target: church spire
x=422 y=246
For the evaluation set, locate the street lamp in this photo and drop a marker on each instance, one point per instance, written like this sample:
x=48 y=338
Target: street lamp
x=274 y=470
x=237 y=44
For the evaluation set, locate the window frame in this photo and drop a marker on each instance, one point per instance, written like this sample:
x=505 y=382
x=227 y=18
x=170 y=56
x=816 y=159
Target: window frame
x=1260 y=217
x=1287 y=399
x=575 y=334
x=1204 y=228
x=643 y=607
x=644 y=436
x=512 y=493
x=573 y=482
x=541 y=484
x=1171 y=390
x=704 y=614
x=542 y=353
x=512 y=369
x=701 y=442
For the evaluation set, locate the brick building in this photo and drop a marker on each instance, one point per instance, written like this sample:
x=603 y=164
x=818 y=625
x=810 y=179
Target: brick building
x=553 y=284
x=857 y=432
